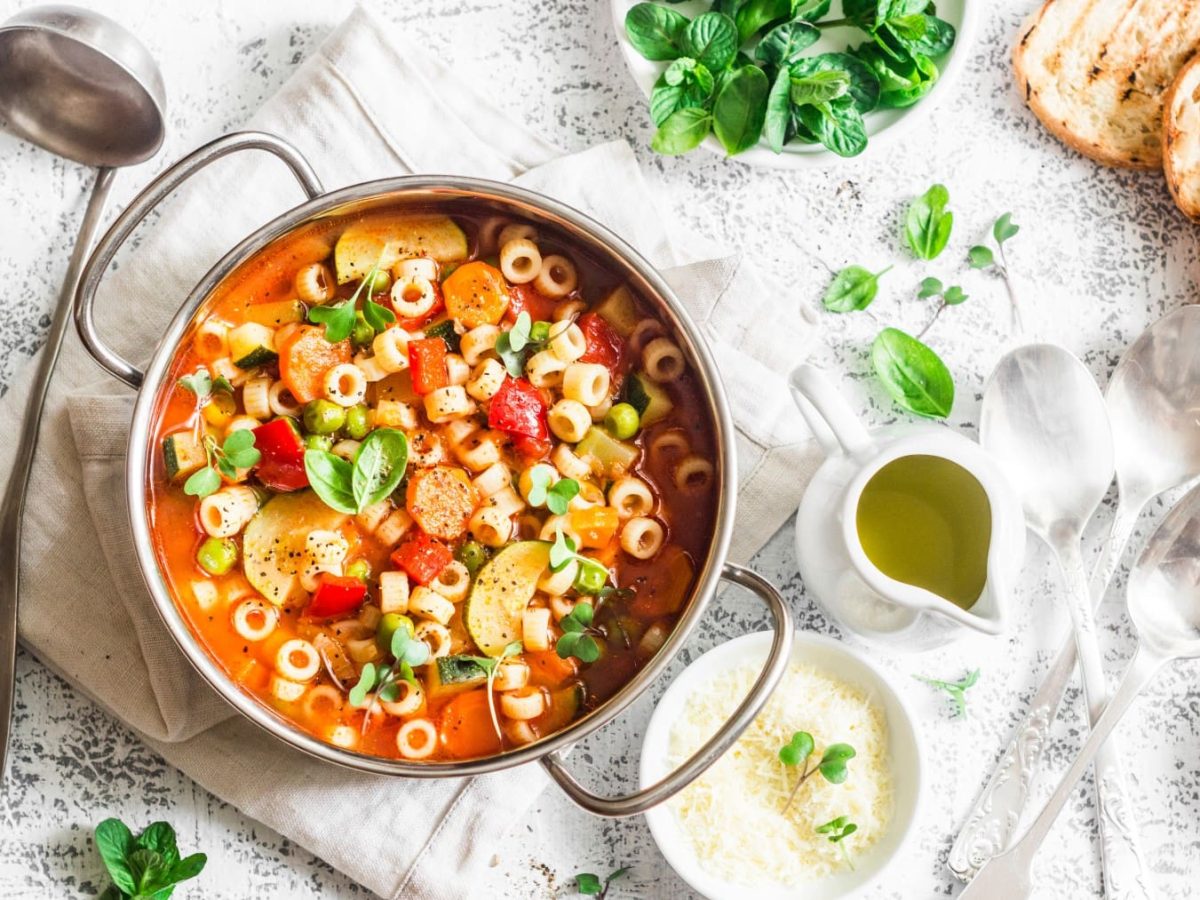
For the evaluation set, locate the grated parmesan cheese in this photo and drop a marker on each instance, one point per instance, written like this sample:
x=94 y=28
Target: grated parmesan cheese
x=733 y=814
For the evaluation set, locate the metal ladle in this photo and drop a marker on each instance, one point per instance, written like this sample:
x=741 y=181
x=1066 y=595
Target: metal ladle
x=81 y=86
x=1164 y=605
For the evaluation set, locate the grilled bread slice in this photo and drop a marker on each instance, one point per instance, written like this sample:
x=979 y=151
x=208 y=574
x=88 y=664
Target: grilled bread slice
x=1096 y=72
x=1181 y=139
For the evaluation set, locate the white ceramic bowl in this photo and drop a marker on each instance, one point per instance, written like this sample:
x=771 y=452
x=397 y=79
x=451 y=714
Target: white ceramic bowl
x=841 y=662
x=883 y=126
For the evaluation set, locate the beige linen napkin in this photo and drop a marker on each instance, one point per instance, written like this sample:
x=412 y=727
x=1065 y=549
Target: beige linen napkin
x=361 y=108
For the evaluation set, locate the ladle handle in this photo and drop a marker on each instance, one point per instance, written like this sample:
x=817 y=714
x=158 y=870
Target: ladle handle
x=830 y=417
x=142 y=205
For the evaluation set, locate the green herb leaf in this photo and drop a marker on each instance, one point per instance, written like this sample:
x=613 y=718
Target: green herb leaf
x=239 y=449
x=912 y=374
x=562 y=552
x=159 y=837
x=797 y=750
x=711 y=39
x=199 y=383
x=819 y=87
x=740 y=109
x=114 y=841
x=583 y=613
x=783 y=44
x=332 y=479
x=188 y=867
x=378 y=317
x=833 y=762
x=588 y=884
x=853 y=288
x=980 y=257
x=587 y=650
x=864 y=86
x=682 y=131
x=930 y=287
x=202 y=482
x=927 y=224
x=1004 y=229
x=379 y=466
x=955 y=689
x=338 y=320
x=655 y=31
x=566 y=645
x=559 y=497
x=541 y=477
x=754 y=15
x=221 y=384
x=366 y=681
x=837 y=125
x=953 y=295
x=779 y=111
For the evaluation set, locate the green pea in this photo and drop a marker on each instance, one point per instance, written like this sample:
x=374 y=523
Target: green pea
x=217 y=556
x=539 y=332
x=360 y=569
x=381 y=282
x=591 y=577
x=387 y=629
x=358 y=422
x=622 y=421
x=323 y=417
x=318 y=442
x=472 y=555
x=362 y=334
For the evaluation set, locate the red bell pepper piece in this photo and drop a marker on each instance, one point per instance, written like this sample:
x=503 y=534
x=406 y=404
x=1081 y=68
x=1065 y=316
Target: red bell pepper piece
x=422 y=558
x=427 y=363
x=282 y=465
x=525 y=298
x=519 y=410
x=336 y=596
x=604 y=345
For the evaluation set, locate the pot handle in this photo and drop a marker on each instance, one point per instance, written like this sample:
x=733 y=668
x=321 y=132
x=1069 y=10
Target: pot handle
x=141 y=206
x=777 y=661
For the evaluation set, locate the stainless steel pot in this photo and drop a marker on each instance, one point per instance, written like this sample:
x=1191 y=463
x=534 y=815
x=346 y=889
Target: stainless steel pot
x=581 y=231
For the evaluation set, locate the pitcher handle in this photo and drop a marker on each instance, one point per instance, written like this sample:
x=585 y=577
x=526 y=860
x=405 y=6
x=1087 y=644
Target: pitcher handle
x=831 y=419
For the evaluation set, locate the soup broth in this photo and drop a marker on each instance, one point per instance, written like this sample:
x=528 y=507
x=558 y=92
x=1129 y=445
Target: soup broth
x=926 y=521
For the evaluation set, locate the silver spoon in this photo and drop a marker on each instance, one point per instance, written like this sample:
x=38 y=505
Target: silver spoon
x=1164 y=605
x=1152 y=399
x=80 y=86
x=1045 y=422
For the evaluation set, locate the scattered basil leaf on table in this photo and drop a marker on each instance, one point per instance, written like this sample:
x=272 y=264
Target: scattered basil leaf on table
x=655 y=31
x=378 y=467
x=146 y=867
x=957 y=690
x=852 y=288
x=928 y=223
x=912 y=374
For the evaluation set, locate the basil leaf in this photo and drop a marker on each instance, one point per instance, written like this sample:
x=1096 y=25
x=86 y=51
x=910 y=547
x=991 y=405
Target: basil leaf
x=655 y=31
x=202 y=482
x=757 y=14
x=938 y=38
x=819 y=87
x=853 y=288
x=861 y=12
x=895 y=9
x=903 y=78
x=667 y=98
x=114 y=842
x=779 y=111
x=810 y=10
x=378 y=466
x=188 y=867
x=711 y=39
x=927 y=223
x=864 y=86
x=682 y=131
x=783 y=44
x=332 y=479
x=838 y=125
x=912 y=374
x=740 y=109
x=160 y=837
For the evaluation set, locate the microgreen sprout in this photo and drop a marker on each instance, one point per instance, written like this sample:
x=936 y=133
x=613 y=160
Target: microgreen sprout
x=237 y=452
x=407 y=652
x=799 y=750
x=525 y=337
x=956 y=689
x=981 y=257
x=491 y=665
x=947 y=296
x=590 y=885
x=544 y=490
x=836 y=832
x=338 y=318
x=579 y=637
x=204 y=385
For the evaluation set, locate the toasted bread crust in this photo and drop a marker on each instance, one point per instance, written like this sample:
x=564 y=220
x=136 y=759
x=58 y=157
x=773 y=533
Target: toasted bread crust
x=1096 y=72
x=1181 y=139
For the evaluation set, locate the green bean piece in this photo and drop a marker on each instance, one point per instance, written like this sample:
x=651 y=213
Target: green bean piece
x=358 y=422
x=362 y=334
x=323 y=417
x=217 y=556
x=622 y=421
x=472 y=555
x=387 y=628
x=318 y=442
x=360 y=569
x=591 y=577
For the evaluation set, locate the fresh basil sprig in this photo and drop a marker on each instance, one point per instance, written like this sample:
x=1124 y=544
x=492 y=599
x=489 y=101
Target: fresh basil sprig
x=237 y=452
x=912 y=374
x=928 y=223
x=377 y=469
x=852 y=288
x=146 y=867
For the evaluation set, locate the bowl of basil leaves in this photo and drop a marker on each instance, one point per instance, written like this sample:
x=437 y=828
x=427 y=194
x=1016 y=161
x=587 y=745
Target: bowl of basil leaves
x=791 y=83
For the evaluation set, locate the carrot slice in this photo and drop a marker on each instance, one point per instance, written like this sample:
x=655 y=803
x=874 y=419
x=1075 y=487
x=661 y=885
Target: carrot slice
x=546 y=668
x=475 y=294
x=465 y=726
x=441 y=500
x=304 y=358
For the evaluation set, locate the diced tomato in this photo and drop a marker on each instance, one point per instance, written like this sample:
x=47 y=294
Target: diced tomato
x=532 y=448
x=422 y=558
x=336 y=596
x=524 y=298
x=465 y=728
x=305 y=357
x=519 y=410
x=604 y=345
x=282 y=465
x=427 y=363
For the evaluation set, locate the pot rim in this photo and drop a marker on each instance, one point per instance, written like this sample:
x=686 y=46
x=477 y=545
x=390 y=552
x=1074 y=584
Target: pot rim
x=391 y=192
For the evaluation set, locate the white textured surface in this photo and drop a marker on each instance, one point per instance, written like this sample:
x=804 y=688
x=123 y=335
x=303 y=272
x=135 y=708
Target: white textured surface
x=1101 y=254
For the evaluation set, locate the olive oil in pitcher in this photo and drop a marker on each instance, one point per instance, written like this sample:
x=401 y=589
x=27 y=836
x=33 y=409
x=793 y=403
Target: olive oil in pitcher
x=926 y=521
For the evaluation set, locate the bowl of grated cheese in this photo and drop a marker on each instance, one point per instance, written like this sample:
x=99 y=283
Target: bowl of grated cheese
x=738 y=828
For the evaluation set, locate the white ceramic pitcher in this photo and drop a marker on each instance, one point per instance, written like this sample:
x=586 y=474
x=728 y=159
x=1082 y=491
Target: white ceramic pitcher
x=832 y=560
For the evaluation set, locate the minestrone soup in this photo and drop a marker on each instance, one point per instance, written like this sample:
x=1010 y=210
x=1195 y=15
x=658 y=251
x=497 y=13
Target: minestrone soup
x=431 y=486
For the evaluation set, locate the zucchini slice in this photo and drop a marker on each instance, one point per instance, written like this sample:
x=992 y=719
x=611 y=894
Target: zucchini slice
x=363 y=246
x=280 y=312
x=252 y=345
x=605 y=454
x=502 y=590
x=452 y=675
x=273 y=545
x=651 y=400
x=183 y=454
x=619 y=310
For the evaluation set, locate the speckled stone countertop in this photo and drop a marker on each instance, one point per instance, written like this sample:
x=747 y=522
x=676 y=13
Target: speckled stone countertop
x=1102 y=253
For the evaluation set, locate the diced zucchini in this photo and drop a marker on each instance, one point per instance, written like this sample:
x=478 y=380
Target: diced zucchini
x=619 y=310
x=565 y=706
x=252 y=345
x=273 y=545
x=502 y=590
x=183 y=454
x=281 y=312
x=453 y=674
x=651 y=400
x=445 y=331
x=605 y=453
x=363 y=246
